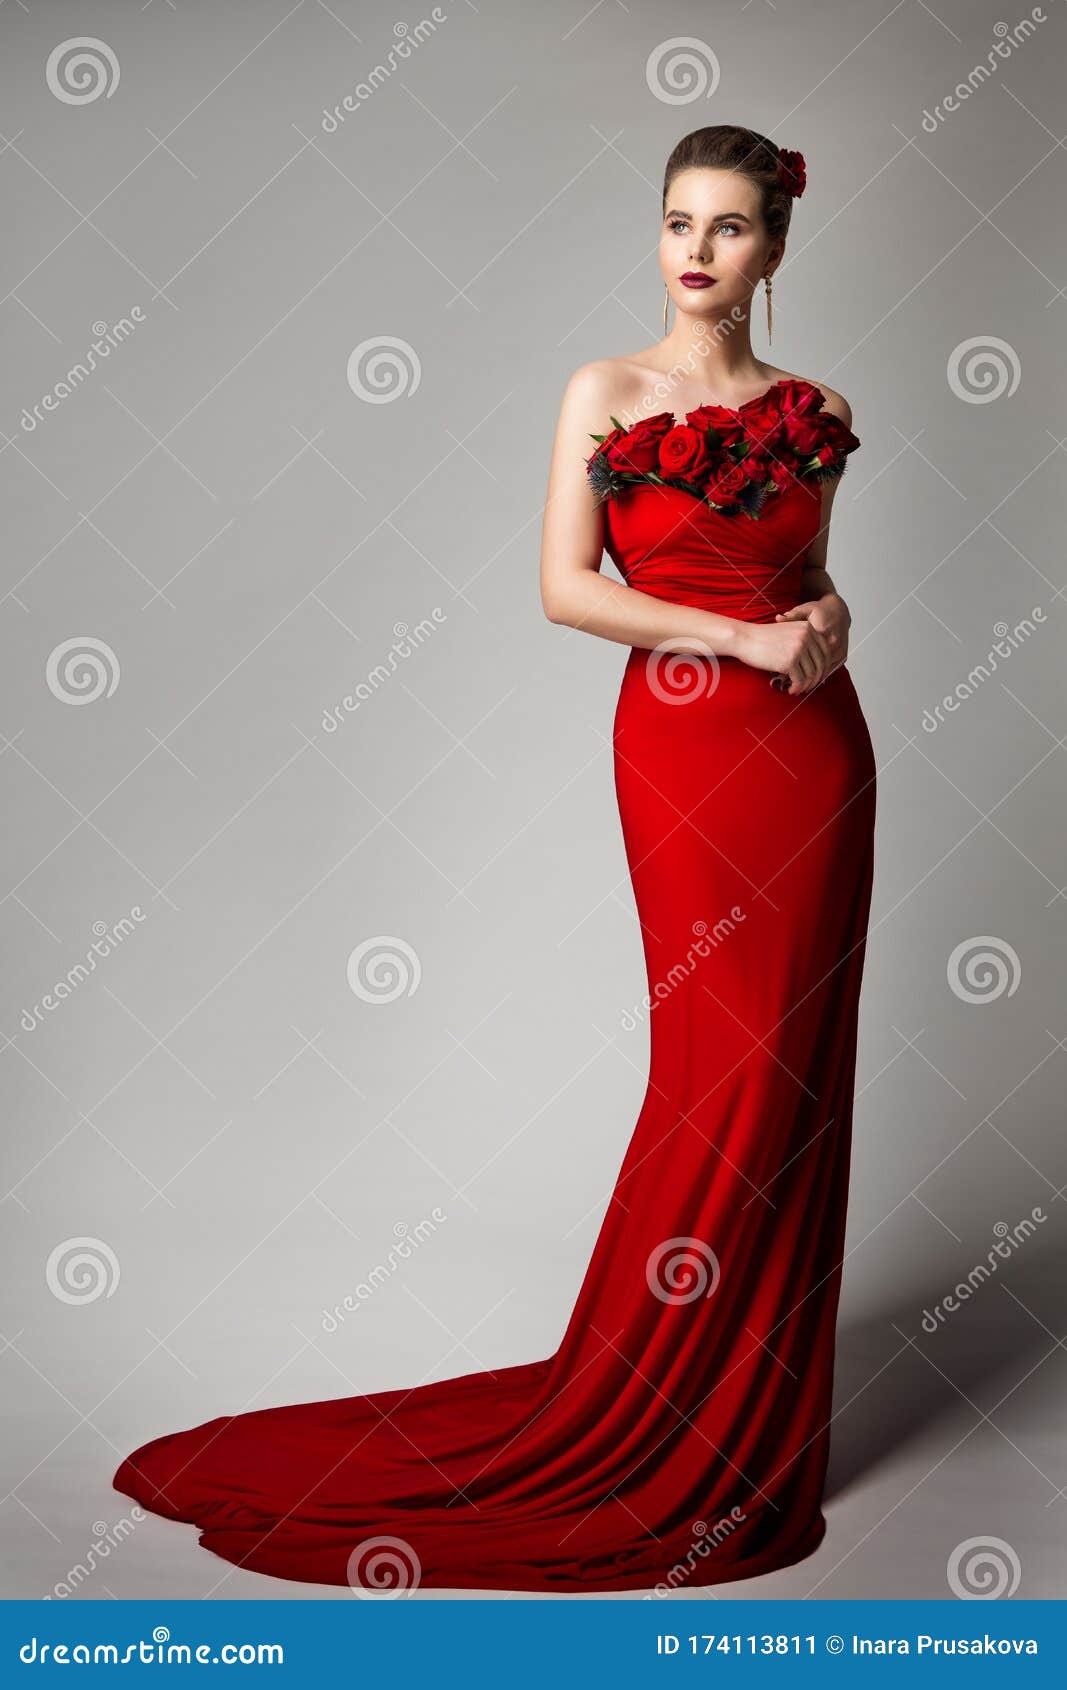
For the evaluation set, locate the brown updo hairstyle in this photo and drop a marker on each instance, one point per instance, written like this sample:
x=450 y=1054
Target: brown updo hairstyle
x=726 y=146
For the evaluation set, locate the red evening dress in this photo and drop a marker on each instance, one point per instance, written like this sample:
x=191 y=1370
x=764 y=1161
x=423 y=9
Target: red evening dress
x=679 y=1434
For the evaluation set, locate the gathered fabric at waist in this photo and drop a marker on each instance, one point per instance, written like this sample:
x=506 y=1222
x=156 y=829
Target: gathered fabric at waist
x=754 y=596
x=666 y=543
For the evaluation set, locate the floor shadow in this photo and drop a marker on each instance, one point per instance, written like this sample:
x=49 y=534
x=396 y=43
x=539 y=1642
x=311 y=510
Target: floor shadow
x=982 y=1349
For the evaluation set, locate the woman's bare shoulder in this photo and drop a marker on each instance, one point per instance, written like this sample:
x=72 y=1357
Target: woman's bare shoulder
x=607 y=386
x=834 y=402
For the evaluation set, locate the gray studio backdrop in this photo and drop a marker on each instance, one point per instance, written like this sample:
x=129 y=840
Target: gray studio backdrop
x=337 y=1100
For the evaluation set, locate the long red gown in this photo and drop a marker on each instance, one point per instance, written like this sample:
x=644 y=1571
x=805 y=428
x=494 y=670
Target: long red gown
x=679 y=1435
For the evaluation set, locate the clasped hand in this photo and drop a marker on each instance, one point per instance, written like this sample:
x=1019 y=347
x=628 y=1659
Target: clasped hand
x=802 y=646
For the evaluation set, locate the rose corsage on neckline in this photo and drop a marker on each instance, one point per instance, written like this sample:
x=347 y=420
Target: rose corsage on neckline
x=730 y=460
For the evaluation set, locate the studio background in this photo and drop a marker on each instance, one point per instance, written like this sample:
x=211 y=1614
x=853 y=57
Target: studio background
x=246 y=514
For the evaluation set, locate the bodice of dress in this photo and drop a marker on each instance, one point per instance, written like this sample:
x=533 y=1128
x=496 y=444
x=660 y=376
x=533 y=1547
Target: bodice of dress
x=668 y=544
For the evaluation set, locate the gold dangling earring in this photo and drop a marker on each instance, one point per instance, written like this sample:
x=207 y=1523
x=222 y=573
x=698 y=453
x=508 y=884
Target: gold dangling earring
x=666 y=302
x=767 y=285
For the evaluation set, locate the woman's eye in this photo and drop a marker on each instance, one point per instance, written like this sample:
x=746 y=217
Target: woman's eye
x=678 y=226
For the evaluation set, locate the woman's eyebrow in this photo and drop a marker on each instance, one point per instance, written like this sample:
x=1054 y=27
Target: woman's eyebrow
x=719 y=215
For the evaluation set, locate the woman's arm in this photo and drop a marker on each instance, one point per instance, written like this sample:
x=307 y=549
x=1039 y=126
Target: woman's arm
x=574 y=593
x=821 y=603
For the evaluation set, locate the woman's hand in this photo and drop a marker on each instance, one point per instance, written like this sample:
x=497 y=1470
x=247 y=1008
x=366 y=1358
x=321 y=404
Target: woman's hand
x=796 y=652
x=831 y=617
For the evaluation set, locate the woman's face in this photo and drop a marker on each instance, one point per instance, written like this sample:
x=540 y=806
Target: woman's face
x=713 y=248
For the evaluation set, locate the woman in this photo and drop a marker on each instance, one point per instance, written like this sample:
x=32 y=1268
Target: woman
x=679 y=1434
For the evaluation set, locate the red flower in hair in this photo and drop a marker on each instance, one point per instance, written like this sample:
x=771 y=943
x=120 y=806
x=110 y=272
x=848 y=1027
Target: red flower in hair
x=792 y=172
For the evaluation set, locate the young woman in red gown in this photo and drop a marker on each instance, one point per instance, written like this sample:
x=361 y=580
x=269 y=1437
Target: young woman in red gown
x=679 y=1434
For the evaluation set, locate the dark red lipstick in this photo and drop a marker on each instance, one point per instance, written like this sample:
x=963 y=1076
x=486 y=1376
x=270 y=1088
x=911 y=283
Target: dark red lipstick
x=696 y=279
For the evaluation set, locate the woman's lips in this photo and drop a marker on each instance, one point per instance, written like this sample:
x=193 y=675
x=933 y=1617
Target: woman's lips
x=696 y=279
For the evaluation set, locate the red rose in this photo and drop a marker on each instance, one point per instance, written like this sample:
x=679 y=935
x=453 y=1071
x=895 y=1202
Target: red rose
x=800 y=398
x=761 y=420
x=727 y=485
x=808 y=436
x=782 y=473
x=717 y=417
x=637 y=451
x=805 y=435
x=755 y=467
x=605 y=445
x=792 y=171
x=839 y=437
x=683 y=453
